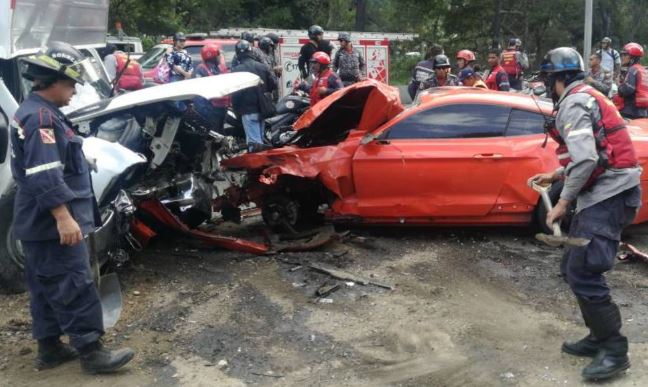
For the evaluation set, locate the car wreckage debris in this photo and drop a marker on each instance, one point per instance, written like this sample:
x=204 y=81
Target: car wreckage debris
x=347 y=276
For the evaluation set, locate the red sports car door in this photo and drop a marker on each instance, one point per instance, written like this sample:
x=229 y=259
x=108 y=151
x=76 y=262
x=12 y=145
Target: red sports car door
x=454 y=161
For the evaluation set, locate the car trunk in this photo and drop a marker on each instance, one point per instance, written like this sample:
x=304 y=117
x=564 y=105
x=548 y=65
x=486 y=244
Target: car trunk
x=363 y=106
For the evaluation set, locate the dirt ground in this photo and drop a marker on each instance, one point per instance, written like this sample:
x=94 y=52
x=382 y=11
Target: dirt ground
x=470 y=307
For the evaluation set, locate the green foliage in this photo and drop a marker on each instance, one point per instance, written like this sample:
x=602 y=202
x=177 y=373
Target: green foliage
x=455 y=24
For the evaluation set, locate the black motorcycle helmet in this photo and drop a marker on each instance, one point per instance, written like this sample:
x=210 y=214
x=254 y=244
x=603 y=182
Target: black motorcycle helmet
x=315 y=30
x=248 y=36
x=563 y=63
x=59 y=61
x=274 y=37
x=179 y=36
x=242 y=47
x=266 y=43
x=344 y=36
x=441 y=61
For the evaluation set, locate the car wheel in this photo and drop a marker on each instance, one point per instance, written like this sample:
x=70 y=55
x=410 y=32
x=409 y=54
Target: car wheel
x=541 y=211
x=12 y=259
x=280 y=212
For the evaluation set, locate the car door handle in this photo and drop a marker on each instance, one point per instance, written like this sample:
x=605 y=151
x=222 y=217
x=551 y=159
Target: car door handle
x=488 y=156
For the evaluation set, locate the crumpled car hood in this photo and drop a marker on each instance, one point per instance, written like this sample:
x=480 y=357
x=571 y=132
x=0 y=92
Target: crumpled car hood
x=363 y=106
x=217 y=86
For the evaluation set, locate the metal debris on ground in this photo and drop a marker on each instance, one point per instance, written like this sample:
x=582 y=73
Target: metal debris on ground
x=347 y=276
x=327 y=289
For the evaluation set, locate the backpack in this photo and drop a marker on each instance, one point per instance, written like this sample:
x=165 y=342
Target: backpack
x=163 y=71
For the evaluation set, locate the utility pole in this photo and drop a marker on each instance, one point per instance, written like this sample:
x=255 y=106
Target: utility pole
x=497 y=24
x=361 y=15
x=587 y=44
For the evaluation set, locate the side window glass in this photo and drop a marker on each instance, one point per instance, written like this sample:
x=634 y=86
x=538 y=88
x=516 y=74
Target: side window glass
x=453 y=121
x=523 y=122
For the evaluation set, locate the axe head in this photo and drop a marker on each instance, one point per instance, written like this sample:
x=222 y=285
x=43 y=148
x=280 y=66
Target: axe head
x=557 y=241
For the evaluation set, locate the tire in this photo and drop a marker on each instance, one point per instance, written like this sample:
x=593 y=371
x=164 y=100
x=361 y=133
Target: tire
x=280 y=211
x=541 y=211
x=12 y=276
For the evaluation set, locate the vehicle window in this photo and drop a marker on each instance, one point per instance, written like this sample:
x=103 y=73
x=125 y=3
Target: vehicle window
x=453 y=121
x=523 y=122
x=228 y=52
x=151 y=58
x=194 y=53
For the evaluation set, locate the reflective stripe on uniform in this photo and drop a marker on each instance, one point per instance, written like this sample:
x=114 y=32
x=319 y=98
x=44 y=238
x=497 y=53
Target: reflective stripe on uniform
x=563 y=156
x=578 y=132
x=43 y=168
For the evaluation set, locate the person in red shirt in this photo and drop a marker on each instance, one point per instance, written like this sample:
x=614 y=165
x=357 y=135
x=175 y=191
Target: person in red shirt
x=326 y=81
x=497 y=78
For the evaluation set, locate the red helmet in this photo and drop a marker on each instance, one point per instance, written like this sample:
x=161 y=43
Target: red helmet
x=466 y=55
x=209 y=51
x=633 y=49
x=321 y=57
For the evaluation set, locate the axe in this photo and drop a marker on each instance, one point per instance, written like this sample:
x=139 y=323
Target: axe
x=556 y=239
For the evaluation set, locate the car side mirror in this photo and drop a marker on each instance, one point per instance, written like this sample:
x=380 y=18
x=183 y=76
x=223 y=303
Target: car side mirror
x=539 y=90
x=367 y=138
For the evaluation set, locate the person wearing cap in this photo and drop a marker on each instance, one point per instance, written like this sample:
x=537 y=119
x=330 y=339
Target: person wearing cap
x=606 y=194
x=442 y=75
x=179 y=60
x=468 y=77
x=497 y=78
x=610 y=58
x=54 y=210
x=348 y=63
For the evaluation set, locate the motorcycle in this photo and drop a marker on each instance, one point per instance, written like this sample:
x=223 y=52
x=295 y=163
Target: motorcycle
x=278 y=128
x=146 y=146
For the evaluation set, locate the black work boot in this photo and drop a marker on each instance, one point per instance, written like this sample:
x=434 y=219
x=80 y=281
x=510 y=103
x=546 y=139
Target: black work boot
x=587 y=346
x=95 y=359
x=52 y=352
x=612 y=358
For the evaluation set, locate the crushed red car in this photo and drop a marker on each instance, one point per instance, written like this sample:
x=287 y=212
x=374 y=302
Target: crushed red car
x=458 y=156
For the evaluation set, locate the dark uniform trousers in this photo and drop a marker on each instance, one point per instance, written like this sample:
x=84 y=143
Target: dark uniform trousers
x=64 y=298
x=583 y=267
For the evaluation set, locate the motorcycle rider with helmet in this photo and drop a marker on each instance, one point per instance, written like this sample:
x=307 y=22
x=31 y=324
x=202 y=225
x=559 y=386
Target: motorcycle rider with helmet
x=54 y=209
x=634 y=88
x=246 y=102
x=315 y=44
x=423 y=70
x=514 y=61
x=601 y=175
x=442 y=75
x=255 y=52
x=326 y=81
x=465 y=58
x=213 y=111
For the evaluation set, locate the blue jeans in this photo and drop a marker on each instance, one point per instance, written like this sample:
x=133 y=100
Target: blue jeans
x=253 y=126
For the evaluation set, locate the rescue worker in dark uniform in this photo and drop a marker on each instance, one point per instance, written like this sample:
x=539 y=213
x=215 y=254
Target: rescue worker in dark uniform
x=255 y=52
x=603 y=178
x=54 y=209
x=634 y=89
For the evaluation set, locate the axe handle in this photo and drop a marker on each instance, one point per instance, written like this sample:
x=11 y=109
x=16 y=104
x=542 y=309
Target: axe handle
x=547 y=203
